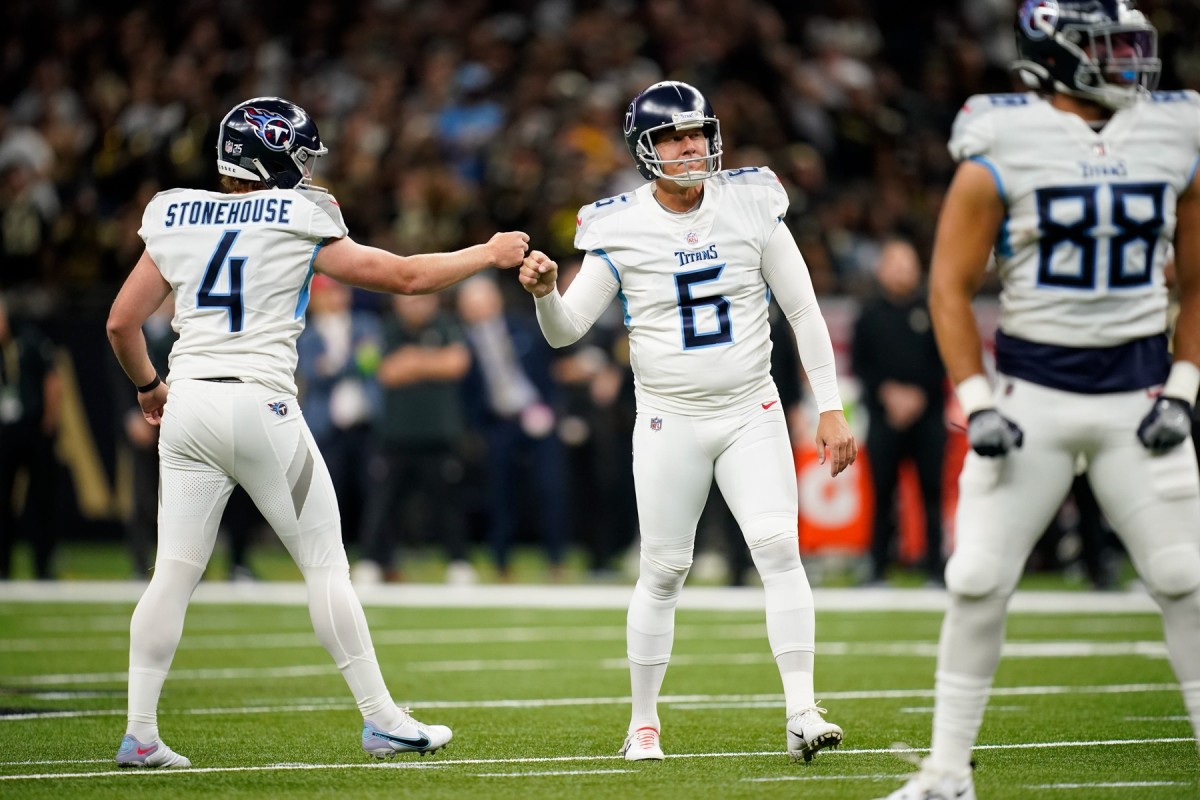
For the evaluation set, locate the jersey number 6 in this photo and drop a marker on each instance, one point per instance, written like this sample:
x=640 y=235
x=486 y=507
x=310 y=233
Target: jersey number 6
x=685 y=282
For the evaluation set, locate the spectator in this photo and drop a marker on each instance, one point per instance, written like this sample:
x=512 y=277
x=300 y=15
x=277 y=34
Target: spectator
x=903 y=388
x=30 y=406
x=511 y=398
x=415 y=463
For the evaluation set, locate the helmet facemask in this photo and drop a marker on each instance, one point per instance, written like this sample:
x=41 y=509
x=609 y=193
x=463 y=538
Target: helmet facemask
x=647 y=151
x=1115 y=61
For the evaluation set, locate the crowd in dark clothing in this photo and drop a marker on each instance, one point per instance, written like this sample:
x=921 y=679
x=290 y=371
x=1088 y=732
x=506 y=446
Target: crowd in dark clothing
x=448 y=121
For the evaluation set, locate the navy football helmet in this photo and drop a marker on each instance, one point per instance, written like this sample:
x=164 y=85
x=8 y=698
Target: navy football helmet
x=271 y=141
x=674 y=106
x=1104 y=51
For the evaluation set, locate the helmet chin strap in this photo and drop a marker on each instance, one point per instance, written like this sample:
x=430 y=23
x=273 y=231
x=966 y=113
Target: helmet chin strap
x=267 y=178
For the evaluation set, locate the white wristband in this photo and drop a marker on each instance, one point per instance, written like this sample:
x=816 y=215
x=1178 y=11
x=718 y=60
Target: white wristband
x=1183 y=382
x=974 y=394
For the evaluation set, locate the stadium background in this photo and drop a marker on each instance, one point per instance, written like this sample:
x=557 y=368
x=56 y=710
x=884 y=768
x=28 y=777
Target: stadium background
x=447 y=121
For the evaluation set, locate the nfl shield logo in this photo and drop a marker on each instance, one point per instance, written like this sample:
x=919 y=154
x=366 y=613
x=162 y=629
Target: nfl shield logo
x=692 y=237
x=656 y=423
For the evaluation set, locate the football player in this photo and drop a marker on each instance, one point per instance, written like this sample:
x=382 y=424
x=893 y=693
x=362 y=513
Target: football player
x=1079 y=190
x=240 y=263
x=695 y=256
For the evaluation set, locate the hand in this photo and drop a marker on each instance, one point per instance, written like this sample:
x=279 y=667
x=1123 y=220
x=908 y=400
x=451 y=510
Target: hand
x=538 y=274
x=508 y=248
x=992 y=434
x=1167 y=425
x=833 y=432
x=903 y=404
x=152 y=403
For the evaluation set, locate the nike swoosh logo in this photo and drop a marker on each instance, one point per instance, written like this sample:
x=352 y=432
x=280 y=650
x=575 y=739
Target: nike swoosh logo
x=147 y=751
x=768 y=405
x=422 y=742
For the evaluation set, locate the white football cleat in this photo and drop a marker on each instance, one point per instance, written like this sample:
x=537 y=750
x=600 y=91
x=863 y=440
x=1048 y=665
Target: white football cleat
x=409 y=736
x=930 y=784
x=133 y=753
x=808 y=732
x=642 y=745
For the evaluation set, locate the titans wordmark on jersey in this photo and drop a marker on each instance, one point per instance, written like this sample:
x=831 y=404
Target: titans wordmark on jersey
x=692 y=288
x=1090 y=214
x=240 y=266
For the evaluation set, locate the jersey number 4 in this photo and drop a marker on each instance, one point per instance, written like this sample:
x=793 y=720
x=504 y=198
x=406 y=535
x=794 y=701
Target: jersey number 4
x=689 y=304
x=231 y=300
x=1070 y=216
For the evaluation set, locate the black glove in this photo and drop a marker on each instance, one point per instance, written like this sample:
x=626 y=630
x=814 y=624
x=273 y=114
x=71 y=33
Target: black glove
x=1167 y=425
x=992 y=434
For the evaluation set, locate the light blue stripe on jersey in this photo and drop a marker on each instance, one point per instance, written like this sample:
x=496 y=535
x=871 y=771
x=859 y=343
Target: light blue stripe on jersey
x=990 y=167
x=620 y=294
x=302 y=300
x=1192 y=176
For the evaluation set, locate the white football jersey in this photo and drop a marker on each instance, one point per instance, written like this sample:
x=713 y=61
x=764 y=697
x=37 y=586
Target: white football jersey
x=1090 y=214
x=240 y=266
x=692 y=288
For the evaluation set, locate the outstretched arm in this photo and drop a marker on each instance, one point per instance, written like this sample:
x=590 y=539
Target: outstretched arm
x=347 y=261
x=143 y=292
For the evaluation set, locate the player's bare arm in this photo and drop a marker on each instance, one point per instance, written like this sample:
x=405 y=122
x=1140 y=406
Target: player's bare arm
x=539 y=274
x=371 y=268
x=1187 y=270
x=144 y=291
x=970 y=220
x=1169 y=421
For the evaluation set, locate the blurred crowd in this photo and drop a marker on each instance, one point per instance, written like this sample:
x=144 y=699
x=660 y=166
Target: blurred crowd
x=448 y=121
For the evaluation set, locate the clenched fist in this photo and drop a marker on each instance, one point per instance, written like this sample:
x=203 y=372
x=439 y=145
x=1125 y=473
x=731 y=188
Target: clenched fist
x=508 y=248
x=538 y=274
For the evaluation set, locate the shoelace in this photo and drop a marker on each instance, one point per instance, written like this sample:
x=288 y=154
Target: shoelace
x=646 y=738
x=407 y=712
x=803 y=711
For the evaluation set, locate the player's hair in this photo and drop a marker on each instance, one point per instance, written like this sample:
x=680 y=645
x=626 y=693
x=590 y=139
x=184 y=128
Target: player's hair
x=238 y=186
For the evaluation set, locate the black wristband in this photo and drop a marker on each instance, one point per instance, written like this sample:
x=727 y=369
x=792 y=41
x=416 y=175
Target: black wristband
x=151 y=386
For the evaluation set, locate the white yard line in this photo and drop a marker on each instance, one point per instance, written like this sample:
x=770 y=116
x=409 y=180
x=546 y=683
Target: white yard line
x=569 y=597
x=441 y=763
x=687 y=701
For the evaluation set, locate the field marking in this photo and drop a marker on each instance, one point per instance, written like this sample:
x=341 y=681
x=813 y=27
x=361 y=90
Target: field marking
x=1121 y=785
x=565 y=759
x=1155 y=650
x=777 y=778
x=692 y=702
x=706 y=598
x=553 y=774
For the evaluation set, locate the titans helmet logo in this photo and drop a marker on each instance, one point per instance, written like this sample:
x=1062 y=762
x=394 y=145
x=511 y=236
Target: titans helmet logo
x=1037 y=17
x=276 y=132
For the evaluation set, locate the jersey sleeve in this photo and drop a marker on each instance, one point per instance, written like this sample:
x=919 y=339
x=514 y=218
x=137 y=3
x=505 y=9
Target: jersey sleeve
x=327 y=221
x=974 y=131
x=588 y=233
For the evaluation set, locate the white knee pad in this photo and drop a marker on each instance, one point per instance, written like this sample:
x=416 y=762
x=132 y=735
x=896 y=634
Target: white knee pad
x=775 y=555
x=663 y=579
x=980 y=574
x=1173 y=571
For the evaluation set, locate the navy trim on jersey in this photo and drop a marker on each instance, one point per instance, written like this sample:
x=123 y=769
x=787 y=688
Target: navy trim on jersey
x=620 y=294
x=302 y=300
x=1085 y=370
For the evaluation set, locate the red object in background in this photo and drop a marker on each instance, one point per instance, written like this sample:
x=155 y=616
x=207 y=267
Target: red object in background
x=837 y=514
